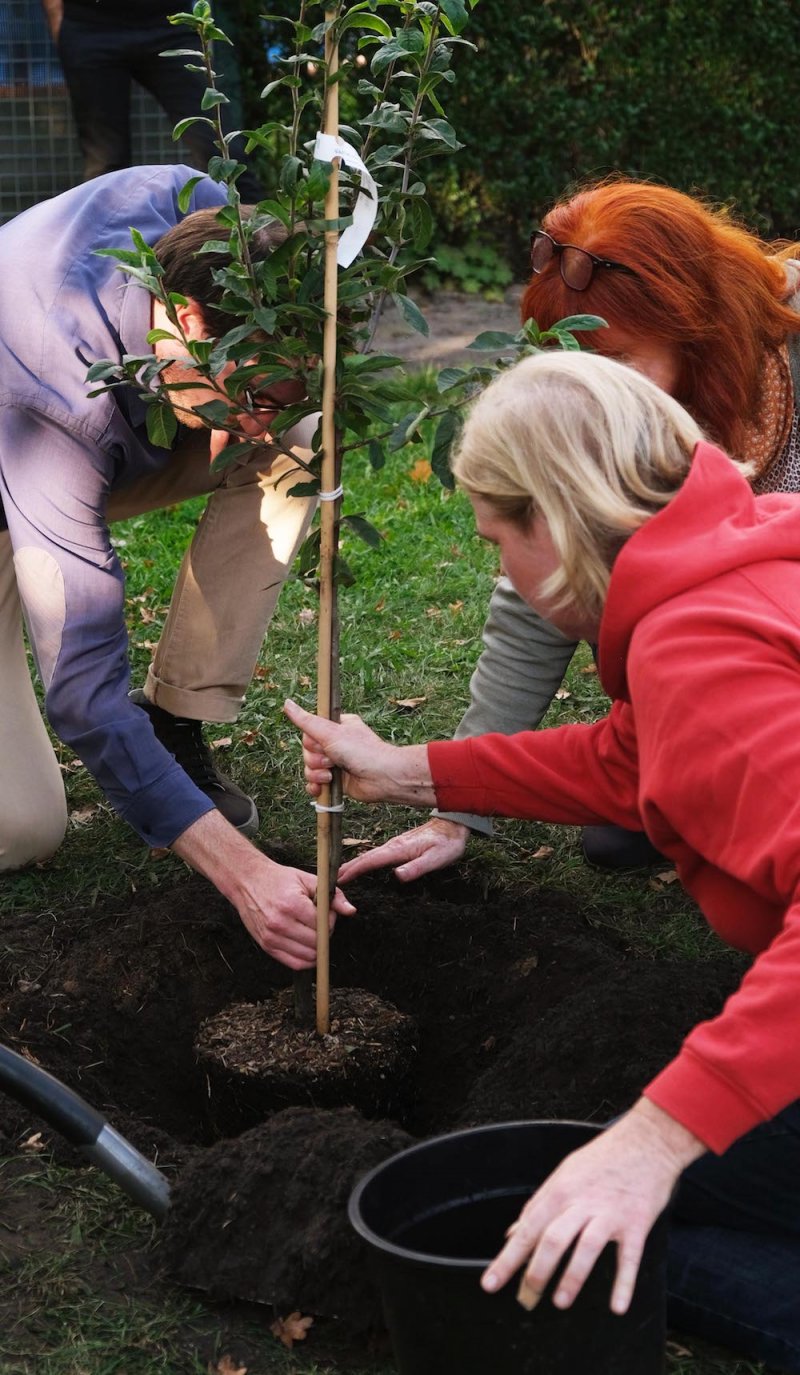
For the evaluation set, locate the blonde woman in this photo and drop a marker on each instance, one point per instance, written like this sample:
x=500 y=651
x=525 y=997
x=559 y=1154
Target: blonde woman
x=619 y=523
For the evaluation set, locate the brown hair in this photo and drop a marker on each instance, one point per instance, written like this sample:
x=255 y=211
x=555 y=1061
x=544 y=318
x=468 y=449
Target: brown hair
x=703 y=285
x=190 y=272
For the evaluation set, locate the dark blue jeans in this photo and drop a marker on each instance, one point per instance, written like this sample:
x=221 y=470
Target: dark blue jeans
x=734 y=1251
x=101 y=54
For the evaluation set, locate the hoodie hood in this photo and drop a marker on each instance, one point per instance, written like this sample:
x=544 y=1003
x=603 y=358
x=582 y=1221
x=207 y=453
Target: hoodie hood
x=714 y=525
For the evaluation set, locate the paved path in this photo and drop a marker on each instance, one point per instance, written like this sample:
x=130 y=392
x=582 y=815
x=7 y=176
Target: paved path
x=454 y=320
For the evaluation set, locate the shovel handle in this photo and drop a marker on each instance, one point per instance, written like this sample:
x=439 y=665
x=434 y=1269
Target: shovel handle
x=83 y=1126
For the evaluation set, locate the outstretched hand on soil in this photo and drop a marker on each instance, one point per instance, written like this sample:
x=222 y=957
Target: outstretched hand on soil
x=373 y=770
x=614 y=1189
x=420 y=851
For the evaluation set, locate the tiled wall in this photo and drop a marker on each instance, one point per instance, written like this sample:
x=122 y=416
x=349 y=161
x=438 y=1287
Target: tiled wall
x=39 y=153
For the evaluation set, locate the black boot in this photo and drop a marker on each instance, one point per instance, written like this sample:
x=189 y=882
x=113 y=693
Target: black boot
x=612 y=847
x=184 y=740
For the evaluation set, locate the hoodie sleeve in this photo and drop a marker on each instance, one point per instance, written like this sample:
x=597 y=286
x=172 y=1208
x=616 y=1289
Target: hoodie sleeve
x=578 y=775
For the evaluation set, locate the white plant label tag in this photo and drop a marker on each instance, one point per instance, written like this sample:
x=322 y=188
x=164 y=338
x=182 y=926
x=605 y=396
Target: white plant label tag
x=365 y=210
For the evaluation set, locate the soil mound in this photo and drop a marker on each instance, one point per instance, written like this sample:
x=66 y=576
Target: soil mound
x=264 y=1217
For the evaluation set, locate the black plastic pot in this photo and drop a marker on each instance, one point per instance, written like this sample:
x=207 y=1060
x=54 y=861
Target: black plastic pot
x=436 y=1214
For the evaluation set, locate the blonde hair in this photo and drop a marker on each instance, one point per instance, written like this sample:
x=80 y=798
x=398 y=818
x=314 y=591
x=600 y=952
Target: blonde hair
x=591 y=445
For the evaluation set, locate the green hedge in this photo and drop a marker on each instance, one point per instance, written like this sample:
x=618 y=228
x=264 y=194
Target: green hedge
x=702 y=96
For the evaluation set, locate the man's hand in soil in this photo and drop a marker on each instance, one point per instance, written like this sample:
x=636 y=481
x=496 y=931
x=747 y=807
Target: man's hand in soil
x=611 y=1190
x=275 y=902
x=374 y=771
x=421 y=851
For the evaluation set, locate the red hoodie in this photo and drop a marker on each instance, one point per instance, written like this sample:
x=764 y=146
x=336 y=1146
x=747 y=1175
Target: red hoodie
x=700 y=653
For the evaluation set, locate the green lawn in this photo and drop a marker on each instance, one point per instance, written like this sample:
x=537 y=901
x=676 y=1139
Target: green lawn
x=411 y=628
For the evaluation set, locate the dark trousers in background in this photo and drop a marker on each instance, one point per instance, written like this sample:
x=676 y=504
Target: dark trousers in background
x=734 y=1251
x=101 y=55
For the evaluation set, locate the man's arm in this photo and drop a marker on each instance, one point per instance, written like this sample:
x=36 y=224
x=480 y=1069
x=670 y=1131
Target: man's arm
x=54 y=13
x=275 y=903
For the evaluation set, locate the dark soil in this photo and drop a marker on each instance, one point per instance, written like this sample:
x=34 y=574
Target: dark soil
x=522 y=1009
x=257 y=1059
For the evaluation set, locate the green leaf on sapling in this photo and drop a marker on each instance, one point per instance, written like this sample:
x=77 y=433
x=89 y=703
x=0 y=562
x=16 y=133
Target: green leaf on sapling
x=365 y=531
x=571 y=323
x=376 y=455
x=455 y=13
x=217 y=413
x=450 y=377
x=162 y=425
x=342 y=572
x=446 y=432
x=232 y=453
x=493 y=339
x=185 y=193
x=184 y=124
x=411 y=312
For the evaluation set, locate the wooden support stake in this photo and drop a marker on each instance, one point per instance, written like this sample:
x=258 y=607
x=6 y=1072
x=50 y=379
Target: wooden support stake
x=329 y=523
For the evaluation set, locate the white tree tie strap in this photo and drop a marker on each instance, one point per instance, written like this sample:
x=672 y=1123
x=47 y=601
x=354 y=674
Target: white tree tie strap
x=332 y=496
x=365 y=210
x=318 y=807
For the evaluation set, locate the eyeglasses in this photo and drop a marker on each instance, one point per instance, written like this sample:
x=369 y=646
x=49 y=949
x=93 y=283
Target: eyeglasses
x=260 y=400
x=576 y=265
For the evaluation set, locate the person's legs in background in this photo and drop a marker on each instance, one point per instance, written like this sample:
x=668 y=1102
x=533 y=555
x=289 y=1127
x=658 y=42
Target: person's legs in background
x=179 y=93
x=95 y=67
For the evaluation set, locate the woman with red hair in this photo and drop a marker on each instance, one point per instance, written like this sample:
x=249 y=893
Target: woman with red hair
x=708 y=312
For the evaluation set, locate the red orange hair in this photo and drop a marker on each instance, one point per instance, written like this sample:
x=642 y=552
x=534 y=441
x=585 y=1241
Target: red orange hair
x=704 y=285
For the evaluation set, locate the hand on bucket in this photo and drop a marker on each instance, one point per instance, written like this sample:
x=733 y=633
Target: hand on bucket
x=374 y=771
x=613 y=1189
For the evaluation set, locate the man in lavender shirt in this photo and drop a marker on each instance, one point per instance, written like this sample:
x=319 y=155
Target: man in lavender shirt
x=70 y=464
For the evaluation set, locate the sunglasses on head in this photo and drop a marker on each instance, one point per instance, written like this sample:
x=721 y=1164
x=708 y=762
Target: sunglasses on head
x=576 y=265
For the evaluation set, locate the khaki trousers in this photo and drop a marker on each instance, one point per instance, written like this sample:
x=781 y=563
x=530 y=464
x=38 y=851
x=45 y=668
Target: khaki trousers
x=224 y=596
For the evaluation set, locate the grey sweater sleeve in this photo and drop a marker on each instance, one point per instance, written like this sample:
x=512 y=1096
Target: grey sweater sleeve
x=523 y=663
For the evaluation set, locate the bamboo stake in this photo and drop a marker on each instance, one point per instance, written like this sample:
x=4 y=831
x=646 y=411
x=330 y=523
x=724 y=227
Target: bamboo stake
x=329 y=524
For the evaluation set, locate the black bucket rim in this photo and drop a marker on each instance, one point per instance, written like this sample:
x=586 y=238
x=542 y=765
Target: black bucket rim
x=426 y=1257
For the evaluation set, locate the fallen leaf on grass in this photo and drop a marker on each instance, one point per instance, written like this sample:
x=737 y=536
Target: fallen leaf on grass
x=226 y=1366
x=408 y=703
x=81 y=815
x=249 y=737
x=455 y=607
x=353 y=840
x=562 y=695
x=668 y=876
x=221 y=744
x=421 y=470
x=292 y=1329
x=589 y=670
x=158 y=852
x=33 y=1143
x=675 y=1349
x=307 y=616
x=543 y=852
